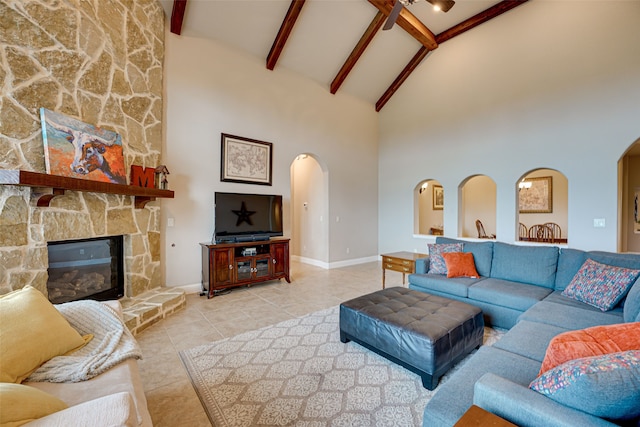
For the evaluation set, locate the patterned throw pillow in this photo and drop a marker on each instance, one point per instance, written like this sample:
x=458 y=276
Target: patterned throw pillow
x=604 y=386
x=436 y=262
x=600 y=285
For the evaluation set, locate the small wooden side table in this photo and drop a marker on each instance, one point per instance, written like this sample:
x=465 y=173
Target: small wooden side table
x=403 y=262
x=476 y=417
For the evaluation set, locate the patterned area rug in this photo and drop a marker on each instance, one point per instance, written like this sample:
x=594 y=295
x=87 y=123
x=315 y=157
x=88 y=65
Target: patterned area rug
x=298 y=373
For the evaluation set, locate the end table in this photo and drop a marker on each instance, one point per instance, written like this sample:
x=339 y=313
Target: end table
x=403 y=262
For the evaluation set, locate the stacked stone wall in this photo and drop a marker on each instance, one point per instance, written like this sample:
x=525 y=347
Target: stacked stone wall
x=100 y=61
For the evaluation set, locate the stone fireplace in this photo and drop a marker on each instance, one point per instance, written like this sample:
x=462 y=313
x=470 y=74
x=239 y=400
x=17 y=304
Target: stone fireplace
x=100 y=62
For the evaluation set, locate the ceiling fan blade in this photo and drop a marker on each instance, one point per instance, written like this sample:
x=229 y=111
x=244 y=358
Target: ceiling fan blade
x=393 y=16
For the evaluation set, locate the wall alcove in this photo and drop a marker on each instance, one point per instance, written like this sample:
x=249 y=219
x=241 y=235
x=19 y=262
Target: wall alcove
x=429 y=208
x=542 y=207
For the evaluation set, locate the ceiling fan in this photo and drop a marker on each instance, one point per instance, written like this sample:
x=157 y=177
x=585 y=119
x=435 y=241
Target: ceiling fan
x=443 y=5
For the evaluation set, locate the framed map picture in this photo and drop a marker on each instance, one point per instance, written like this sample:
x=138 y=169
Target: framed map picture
x=246 y=160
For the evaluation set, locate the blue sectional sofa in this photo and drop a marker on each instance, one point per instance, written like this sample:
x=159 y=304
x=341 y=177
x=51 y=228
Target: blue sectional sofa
x=520 y=289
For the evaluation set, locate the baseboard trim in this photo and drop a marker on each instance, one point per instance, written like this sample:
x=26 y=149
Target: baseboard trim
x=336 y=264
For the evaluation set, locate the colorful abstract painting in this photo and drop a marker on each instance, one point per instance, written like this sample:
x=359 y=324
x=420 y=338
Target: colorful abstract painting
x=79 y=150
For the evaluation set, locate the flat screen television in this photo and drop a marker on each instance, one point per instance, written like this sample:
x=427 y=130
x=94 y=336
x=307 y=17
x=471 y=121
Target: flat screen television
x=241 y=217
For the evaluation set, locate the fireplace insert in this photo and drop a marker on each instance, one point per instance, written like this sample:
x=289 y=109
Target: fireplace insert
x=86 y=269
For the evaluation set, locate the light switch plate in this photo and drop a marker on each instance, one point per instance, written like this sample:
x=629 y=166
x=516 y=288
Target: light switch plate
x=598 y=222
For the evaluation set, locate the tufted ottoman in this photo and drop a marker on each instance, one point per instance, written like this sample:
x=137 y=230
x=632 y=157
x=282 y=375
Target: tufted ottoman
x=426 y=334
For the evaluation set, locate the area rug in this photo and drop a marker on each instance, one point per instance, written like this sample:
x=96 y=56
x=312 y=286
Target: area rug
x=298 y=373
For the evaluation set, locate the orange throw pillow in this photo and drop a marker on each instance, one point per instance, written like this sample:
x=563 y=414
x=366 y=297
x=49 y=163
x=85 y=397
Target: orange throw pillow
x=460 y=264
x=594 y=341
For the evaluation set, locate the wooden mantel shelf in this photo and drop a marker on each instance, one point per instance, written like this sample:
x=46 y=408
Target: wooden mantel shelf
x=59 y=184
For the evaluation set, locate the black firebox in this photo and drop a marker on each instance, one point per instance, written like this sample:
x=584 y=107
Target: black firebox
x=86 y=269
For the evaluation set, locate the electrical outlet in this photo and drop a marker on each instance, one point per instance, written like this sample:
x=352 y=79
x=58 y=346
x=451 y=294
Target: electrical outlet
x=598 y=222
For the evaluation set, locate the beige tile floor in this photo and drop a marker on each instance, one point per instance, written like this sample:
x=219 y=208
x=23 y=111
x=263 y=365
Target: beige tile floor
x=171 y=398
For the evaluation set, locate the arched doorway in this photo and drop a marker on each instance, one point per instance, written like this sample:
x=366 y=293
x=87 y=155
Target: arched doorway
x=309 y=210
x=629 y=199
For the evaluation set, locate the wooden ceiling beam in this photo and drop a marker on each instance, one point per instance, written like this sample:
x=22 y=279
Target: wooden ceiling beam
x=480 y=18
x=362 y=45
x=412 y=65
x=409 y=23
x=283 y=34
x=177 y=15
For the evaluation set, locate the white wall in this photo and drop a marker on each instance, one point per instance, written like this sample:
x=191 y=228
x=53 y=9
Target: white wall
x=550 y=84
x=211 y=89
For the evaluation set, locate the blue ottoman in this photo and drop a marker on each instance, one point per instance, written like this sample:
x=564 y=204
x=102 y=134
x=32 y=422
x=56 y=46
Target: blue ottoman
x=426 y=334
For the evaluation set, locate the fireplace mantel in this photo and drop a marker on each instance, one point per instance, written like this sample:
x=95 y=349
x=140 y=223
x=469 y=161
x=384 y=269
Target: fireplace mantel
x=56 y=185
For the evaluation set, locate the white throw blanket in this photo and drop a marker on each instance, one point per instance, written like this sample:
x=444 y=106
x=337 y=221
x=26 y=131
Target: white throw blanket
x=112 y=343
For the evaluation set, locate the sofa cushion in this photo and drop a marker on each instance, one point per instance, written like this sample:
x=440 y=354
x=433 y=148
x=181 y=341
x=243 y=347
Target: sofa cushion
x=436 y=282
x=600 y=285
x=569 y=262
x=594 y=341
x=505 y=293
x=436 y=262
x=455 y=395
x=482 y=253
x=606 y=386
x=553 y=311
x=460 y=264
x=535 y=265
x=529 y=339
x=20 y=404
x=32 y=331
x=115 y=409
x=631 y=311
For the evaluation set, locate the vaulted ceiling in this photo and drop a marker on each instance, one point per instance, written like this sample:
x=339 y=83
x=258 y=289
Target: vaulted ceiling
x=337 y=43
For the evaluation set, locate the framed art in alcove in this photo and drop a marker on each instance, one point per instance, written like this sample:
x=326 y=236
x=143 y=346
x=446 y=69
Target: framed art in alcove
x=438 y=197
x=538 y=197
x=246 y=160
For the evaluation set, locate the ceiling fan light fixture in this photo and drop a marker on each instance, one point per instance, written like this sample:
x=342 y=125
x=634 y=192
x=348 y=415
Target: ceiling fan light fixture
x=442 y=5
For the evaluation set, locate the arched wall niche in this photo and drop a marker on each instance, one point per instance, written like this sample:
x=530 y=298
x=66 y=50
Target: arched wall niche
x=477 y=201
x=542 y=196
x=629 y=199
x=428 y=208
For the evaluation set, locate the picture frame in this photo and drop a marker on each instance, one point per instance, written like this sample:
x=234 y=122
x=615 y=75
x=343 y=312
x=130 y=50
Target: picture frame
x=245 y=160
x=537 y=198
x=438 y=197
x=81 y=150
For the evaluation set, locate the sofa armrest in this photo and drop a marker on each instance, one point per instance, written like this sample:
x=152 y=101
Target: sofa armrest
x=525 y=407
x=422 y=265
x=112 y=410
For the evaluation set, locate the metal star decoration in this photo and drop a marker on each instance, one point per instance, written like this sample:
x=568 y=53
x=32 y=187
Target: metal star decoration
x=243 y=215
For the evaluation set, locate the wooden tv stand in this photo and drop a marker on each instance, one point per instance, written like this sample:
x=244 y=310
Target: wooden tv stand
x=228 y=265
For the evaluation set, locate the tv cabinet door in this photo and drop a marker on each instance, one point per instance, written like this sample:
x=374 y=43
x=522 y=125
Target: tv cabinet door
x=222 y=261
x=280 y=260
